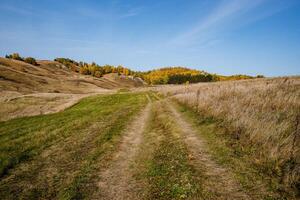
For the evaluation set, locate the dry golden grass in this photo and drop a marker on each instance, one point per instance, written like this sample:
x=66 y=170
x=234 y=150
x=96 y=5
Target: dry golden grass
x=263 y=115
x=53 y=77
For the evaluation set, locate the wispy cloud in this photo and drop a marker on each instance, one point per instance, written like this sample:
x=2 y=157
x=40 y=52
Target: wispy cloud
x=220 y=15
x=16 y=10
x=131 y=12
x=114 y=12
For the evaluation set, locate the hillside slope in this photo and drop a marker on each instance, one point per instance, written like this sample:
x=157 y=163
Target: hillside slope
x=28 y=90
x=51 y=76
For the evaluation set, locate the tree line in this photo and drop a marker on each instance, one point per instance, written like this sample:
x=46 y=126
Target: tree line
x=165 y=75
x=180 y=75
x=176 y=75
x=16 y=56
x=93 y=69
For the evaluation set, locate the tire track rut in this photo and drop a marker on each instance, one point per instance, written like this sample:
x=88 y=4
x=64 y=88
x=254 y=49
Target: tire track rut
x=117 y=182
x=218 y=182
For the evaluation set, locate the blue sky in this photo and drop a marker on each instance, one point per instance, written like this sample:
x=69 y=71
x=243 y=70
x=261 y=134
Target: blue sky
x=219 y=36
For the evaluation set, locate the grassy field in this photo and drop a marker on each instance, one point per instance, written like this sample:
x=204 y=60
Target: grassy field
x=52 y=155
x=260 y=121
x=227 y=152
x=17 y=105
x=233 y=140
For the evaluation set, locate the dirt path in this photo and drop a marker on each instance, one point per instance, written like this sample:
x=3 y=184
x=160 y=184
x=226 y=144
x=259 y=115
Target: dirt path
x=159 y=149
x=65 y=157
x=219 y=183
x=117 y=181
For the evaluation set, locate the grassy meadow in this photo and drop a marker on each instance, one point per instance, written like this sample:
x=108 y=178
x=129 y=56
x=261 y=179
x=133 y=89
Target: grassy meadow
x=150 y=100
x=224 y=140
x=52 y=155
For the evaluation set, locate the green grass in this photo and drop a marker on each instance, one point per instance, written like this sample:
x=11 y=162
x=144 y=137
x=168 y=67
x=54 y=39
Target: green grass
x=57 y=154
x=227 y=151
x=169 y=173
x=122 y=90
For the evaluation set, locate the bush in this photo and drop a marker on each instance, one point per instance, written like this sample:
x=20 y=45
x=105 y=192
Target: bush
x=98 y=74
x=84 y=70
x=31 y=61
x=66 y=61
x=14 y=56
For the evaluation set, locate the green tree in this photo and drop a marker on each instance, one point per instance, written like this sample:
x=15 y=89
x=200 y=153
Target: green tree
x=260 y=76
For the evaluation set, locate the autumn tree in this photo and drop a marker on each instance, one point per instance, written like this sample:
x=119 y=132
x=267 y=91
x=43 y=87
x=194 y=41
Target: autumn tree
x=98 y=74
x=84 y=70
x=14 y=56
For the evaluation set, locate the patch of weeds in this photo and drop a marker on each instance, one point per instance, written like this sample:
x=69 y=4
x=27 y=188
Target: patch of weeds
x=230 y=152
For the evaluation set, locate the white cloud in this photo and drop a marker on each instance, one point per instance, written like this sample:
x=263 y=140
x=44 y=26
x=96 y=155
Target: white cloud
x=220 y=15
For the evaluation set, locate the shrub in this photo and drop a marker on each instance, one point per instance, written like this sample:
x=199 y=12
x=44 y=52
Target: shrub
x=84 y=70
x=14 y=56
x=66 y=61
x=98 y=74
x=31 y=61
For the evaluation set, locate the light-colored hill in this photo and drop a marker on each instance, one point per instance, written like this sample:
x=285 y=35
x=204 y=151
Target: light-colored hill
x=27 y=90
x=53 y=77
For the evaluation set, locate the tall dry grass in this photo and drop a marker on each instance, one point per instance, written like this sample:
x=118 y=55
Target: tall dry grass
x=262 y=114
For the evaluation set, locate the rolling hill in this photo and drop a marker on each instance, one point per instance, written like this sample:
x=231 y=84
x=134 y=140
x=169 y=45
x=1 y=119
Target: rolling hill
x=50 y=86
x=54 y=77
